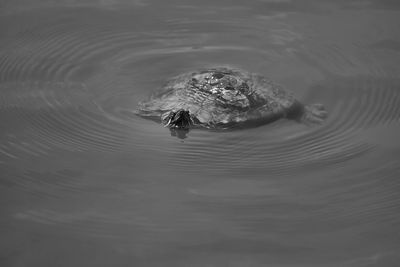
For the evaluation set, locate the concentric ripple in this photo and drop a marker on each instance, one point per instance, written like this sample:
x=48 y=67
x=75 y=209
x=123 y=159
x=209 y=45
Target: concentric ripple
x=76 y=159
x=84 y=98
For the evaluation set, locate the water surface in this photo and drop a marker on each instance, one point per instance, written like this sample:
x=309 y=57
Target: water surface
x=85 y=182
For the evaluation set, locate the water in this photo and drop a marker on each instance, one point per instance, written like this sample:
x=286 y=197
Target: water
x=85 y=182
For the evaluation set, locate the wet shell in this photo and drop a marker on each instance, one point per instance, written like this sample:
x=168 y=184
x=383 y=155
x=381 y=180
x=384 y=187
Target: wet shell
x=224 y=98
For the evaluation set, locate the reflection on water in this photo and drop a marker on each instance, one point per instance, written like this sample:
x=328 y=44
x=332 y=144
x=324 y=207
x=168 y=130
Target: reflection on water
x=86 y=182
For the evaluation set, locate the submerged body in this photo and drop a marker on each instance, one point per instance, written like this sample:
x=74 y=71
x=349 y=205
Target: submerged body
x=222 y=98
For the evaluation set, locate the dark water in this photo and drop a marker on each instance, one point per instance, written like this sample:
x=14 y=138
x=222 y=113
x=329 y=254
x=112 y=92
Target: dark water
x=84 y=182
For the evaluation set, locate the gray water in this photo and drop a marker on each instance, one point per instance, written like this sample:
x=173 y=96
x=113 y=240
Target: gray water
x=85 y=182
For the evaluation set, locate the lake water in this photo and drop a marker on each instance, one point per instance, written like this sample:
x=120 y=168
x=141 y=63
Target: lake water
x=85 y=182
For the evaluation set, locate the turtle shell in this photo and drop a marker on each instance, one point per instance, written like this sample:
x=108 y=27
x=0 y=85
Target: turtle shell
x=220 y=98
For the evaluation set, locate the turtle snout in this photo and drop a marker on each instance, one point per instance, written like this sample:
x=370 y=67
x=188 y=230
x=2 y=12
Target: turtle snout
x=179 y=119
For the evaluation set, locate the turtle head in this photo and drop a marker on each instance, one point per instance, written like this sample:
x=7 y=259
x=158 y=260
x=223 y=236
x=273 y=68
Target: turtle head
x=180 y=119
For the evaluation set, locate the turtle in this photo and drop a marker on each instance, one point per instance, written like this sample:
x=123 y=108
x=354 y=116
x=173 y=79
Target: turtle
x=223 y=98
